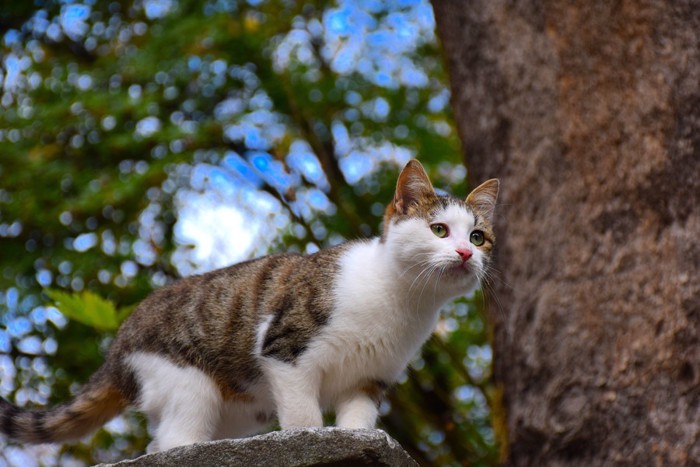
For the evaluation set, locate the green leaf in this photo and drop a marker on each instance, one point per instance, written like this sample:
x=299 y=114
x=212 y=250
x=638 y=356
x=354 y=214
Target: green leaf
x=90 y=309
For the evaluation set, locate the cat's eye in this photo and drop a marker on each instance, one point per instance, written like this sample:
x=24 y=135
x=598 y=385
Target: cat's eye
x=439 y=230
x=477 y=238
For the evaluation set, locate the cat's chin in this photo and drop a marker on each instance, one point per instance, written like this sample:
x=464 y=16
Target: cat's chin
x=460 y=272
x=458 y=280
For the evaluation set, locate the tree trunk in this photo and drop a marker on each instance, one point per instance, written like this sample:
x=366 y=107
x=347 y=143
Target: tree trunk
x=589 y=113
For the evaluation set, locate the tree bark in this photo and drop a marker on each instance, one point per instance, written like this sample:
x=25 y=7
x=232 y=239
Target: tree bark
x=589 y=113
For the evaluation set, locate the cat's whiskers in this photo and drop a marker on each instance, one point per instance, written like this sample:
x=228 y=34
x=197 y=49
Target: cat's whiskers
x=485 y=279
x=430 y=269
x=427 y=282
x=427 y=267
x=498 y=275
x=419 y=263
x=437 y=282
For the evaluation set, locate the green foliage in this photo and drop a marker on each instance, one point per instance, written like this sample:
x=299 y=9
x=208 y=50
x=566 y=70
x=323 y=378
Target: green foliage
x=89 y=309
x=293 y=117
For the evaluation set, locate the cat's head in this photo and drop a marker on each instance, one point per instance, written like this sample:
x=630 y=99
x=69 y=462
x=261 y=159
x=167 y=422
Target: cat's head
x=440 y=238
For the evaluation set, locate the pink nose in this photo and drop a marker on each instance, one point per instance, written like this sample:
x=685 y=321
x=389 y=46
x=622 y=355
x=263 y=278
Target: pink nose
x=464 y=253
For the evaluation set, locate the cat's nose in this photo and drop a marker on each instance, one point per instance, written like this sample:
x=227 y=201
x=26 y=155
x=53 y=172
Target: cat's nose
x=464 y=253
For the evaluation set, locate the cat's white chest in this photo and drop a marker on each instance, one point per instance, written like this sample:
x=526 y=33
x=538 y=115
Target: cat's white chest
x=376 y=327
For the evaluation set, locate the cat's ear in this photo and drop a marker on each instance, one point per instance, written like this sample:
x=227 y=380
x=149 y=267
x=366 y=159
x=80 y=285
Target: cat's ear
x=483 y=198
x=413 y=185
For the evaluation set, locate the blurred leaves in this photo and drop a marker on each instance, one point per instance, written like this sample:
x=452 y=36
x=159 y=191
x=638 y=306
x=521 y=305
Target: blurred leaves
x=141 y=141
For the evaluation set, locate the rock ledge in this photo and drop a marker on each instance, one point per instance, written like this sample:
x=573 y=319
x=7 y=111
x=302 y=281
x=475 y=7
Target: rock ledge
x=326 y=447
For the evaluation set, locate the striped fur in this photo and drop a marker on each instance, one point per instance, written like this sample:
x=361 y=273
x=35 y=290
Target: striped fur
x=284 y=336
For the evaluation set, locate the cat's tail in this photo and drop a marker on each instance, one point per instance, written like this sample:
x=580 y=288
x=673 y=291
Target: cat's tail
x=98 y=402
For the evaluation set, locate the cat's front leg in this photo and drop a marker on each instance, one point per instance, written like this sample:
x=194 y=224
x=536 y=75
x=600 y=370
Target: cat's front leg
x=296 y=394
x=358 y=408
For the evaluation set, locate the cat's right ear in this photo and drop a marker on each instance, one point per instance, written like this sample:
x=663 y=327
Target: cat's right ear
x=412 y=186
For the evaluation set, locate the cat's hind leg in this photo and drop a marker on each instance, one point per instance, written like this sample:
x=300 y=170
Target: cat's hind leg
x=241 y=419
x=182 y=403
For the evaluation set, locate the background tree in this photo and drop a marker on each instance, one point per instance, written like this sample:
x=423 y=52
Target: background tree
x=589 y=112
x=149 y=139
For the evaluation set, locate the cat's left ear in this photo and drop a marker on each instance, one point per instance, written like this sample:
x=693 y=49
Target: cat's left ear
x=483 y=198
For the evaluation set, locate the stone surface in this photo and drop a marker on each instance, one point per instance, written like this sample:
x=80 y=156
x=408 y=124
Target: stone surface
x=328 y=447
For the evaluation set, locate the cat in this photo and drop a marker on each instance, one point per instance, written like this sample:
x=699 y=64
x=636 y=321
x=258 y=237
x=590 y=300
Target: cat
x=284 y=337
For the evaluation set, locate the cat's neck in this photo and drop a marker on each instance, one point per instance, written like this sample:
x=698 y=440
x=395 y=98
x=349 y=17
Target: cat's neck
x=374 y=293
x=406 y=286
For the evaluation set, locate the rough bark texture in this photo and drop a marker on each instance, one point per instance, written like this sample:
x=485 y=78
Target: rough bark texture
x=589 y=112
x=321 y=447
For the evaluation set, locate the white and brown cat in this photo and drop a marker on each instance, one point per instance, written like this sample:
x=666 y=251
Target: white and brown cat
x=285 y=336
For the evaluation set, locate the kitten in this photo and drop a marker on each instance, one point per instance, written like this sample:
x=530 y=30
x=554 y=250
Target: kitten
x=222 y=354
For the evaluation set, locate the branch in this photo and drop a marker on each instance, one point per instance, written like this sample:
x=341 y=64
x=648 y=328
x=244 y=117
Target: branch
x=325 y=152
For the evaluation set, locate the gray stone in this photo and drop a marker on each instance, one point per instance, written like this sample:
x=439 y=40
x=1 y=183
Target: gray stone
x=326 y=447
